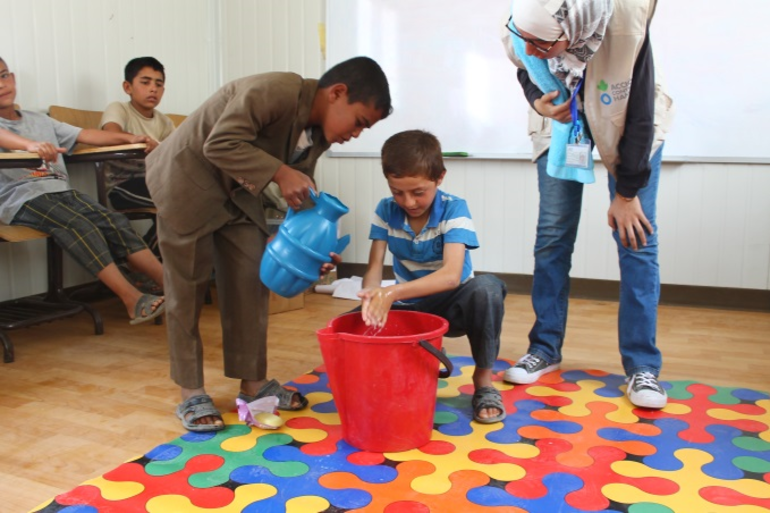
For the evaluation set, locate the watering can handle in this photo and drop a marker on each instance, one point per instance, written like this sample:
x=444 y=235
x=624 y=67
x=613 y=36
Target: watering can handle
x=290 y=211
x=443 y=373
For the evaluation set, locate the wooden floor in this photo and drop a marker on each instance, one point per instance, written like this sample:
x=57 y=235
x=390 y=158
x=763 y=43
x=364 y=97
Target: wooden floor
x=74 y=405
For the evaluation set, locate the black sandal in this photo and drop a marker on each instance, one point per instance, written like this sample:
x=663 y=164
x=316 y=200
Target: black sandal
x=487 y=397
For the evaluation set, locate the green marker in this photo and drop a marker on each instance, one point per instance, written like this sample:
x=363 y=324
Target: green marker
x=455 y=154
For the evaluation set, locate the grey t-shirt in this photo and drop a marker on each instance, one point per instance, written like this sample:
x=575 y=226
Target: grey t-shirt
x=19 y=185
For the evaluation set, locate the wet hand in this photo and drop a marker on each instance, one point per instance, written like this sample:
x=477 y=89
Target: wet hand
x=546 y=108
x=627 y=217
x=375 y=305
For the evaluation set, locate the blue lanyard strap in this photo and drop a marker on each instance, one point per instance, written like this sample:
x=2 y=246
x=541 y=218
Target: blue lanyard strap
x=577 y=128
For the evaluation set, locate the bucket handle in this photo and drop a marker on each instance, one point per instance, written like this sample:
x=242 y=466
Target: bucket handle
x=443 y=373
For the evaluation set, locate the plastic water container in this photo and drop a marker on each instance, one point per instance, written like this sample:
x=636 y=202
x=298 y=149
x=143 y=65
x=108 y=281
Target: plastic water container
x=292 y=260
x=385 y=384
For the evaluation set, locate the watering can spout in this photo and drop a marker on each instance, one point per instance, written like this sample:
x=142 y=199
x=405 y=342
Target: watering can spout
x=342 y=243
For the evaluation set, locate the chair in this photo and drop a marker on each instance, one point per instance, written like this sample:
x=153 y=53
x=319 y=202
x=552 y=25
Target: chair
x=176 y=118
x=31 y=311
x=82 y=153
x=27 y=312
x=91 y=119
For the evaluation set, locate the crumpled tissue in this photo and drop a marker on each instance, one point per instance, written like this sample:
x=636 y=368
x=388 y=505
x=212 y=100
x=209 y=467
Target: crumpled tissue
x=260 y=413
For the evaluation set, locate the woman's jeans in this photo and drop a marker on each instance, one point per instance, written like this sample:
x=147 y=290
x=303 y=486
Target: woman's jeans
x=560 y=206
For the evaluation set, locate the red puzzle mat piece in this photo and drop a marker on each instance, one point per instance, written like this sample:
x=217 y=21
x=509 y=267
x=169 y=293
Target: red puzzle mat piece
x=175 y=483
x=408 y=500
x=578 y=454
x=698 y=417
x=589 y=497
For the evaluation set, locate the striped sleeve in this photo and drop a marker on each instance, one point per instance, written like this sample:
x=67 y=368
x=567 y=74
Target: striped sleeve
x=379 y=228
x=457 y=225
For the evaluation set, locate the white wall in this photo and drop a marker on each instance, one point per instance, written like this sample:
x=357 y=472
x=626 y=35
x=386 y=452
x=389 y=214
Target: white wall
x=714 y=218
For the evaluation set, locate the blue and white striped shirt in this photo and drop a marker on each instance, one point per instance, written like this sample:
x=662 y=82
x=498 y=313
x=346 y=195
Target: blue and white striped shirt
x=417 y=255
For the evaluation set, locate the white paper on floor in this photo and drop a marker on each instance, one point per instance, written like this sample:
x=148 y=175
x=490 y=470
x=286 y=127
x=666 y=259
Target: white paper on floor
x=347 y=288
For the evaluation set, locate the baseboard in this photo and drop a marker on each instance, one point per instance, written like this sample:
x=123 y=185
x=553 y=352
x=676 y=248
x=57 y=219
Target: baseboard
x=607 y=290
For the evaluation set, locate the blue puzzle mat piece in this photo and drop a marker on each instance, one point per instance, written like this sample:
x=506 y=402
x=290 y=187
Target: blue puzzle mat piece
x=322 y=385
x=749 y=396
x=164 y=452
x=193 y=444
x=612 y=382
x=558 y=485
x=307 y=483
x=523 y=417
x=723 y=448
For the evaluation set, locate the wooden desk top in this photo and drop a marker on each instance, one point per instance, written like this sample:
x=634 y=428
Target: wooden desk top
x=19 y=233
x=20 y=159
x=101 y=153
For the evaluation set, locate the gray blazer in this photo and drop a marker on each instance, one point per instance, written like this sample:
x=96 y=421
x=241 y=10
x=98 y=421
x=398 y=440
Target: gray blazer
x=244 y=132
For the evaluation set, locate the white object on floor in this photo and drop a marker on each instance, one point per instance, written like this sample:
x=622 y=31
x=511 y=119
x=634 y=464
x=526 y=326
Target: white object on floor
x=347 y=288
x=260 y=412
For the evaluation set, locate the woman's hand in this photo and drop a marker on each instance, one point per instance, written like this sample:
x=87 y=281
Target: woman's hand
x=627 y=217
x=545 y=107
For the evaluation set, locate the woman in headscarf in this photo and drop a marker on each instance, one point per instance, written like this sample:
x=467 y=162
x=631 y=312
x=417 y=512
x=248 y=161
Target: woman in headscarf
x=599 y=50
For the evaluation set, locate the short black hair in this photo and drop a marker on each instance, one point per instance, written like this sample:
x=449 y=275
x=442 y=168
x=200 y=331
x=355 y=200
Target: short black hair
x=413 y=153
x=134 y=66
x=365 y=80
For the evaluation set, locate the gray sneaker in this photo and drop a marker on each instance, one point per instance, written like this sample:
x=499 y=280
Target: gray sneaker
x=644 y=391
x=528 y=369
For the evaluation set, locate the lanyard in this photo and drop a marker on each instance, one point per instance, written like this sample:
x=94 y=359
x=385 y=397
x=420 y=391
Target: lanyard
x=577 y=128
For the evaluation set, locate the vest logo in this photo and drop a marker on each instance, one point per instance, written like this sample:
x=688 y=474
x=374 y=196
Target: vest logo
x=604 y=97
x=613 y=92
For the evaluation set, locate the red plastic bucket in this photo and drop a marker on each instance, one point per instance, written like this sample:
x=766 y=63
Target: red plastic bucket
x=384 y=384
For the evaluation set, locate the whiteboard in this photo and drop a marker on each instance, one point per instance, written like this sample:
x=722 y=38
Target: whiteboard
x=449 y=74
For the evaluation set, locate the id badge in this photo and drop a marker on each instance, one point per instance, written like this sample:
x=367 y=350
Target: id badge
x=578 y=155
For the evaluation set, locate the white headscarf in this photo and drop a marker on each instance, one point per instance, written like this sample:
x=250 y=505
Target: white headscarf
x=583 y=22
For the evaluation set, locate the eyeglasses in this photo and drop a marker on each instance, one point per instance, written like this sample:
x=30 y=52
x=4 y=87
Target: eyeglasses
x=532 y=42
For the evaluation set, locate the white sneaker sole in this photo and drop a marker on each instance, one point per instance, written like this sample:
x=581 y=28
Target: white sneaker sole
x=648 y=399
x=519 y=376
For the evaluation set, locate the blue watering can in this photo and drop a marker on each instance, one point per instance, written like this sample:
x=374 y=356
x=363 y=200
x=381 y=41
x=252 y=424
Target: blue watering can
x=292 y=260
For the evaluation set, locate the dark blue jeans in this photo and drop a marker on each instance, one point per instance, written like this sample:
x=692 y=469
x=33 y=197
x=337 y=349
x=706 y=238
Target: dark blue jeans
x=475 y=309
x=560 y=206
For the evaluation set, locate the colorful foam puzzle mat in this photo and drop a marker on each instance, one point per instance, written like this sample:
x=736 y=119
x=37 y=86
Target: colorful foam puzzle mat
x=571 y=443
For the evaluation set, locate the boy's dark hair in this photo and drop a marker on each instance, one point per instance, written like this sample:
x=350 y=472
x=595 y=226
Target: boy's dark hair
x=365 y=80
x=412 y=153
x=134 y=66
